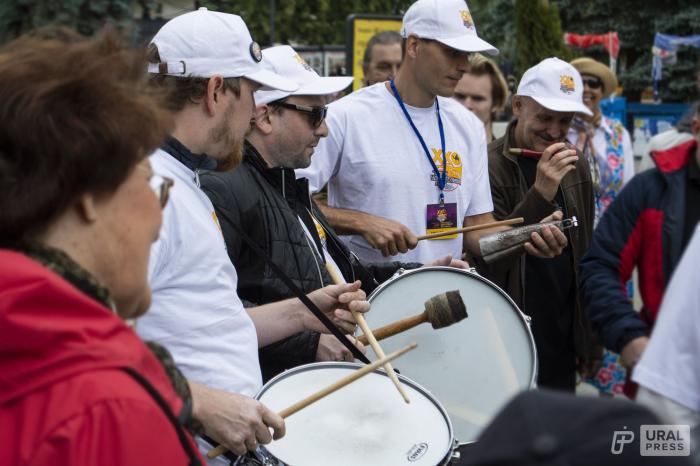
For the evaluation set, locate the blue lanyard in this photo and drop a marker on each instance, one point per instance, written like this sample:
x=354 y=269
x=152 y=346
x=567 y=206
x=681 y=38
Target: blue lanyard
x=441 y=177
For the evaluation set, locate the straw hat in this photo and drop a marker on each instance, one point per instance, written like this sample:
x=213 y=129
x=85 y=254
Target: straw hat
x=591 y=67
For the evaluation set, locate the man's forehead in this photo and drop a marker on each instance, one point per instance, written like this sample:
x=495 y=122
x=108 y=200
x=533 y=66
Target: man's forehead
x=386 y=51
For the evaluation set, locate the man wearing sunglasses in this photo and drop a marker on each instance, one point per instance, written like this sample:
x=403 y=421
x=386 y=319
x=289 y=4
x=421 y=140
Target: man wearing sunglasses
x=276 y=209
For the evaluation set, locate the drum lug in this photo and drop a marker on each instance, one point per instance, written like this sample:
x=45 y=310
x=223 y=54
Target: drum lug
x=472 y=270
x=528 y=319
x=456 y=456
x=398 y=273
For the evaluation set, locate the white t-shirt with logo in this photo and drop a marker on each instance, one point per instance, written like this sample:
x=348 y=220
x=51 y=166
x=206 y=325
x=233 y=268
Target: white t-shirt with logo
x=195 y=312
x=670 y=364
x=373 y=162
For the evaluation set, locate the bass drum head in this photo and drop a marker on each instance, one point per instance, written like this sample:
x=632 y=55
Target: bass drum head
x=474 y=366
x=366 y=422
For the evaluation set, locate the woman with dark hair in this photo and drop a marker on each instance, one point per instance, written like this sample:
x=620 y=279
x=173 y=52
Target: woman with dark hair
x=79 y=210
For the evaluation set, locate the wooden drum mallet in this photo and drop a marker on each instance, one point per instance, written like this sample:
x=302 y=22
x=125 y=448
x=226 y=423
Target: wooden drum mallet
x=441 y=310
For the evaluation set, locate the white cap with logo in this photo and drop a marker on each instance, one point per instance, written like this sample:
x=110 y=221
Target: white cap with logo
x=205 y=43
x=446 y=21
x=285 y=61
x=556 y=85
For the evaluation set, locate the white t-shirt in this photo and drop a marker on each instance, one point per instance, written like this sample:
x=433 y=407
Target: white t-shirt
x=196 y=312
x=600 y=146
x=373 y=162
x=670 y=365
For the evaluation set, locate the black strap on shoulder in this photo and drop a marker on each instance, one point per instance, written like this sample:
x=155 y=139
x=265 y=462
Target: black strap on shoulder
x=182 y=436
x=298 y=292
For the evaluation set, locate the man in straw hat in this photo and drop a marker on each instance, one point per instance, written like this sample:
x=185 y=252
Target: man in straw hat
x=399 y=152
x=604 y=141
x=548 y=96
x=209 y=67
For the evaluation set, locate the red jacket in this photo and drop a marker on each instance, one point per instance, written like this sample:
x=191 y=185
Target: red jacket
x=65 y=398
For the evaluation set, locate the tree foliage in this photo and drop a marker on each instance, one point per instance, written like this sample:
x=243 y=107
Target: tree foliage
x=304 y=21
x=86 y=16
x=539 y=33
x=636 y=23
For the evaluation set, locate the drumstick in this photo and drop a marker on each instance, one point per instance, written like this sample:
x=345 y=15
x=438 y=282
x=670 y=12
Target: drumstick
x=441 y=310
x=360 y=319
x=483 y=226
x=347 y=380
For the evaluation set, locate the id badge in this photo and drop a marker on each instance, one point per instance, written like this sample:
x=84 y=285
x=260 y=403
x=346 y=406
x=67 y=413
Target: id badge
x=441 y=217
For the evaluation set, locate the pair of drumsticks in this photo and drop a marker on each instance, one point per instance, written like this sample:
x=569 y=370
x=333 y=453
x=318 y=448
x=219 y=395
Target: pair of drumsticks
x=440 y=310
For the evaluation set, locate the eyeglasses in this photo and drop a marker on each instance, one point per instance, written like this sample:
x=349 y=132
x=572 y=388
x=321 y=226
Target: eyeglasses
x=316 y=114
x=593 y=83
x=159 y=184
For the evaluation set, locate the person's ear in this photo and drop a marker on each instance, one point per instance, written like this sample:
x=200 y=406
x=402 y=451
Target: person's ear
x=262 y=119
x=517 y=105
x=87 y=211
x=215 y=89
x=412 y=43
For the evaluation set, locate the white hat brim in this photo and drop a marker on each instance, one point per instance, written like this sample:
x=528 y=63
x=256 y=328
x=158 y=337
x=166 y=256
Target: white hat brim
x=562 y=105
x=469 y=43
x=272 y=81
x=321 y=86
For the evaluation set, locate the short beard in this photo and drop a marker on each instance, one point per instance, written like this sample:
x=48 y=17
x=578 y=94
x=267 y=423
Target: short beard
x=222 y=134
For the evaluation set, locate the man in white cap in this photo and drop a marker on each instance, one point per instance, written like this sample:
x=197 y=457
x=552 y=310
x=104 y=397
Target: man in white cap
x=536 y=186
x=276 y=209
x=209 y=67
x=402 y=158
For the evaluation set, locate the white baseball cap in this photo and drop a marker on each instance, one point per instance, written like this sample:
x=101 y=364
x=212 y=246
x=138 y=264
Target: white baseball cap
x=285 y=61
x=555 y=85
x=446 y=21
x=204 y=43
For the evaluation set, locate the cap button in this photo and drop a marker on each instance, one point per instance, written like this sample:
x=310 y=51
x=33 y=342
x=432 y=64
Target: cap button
x=545 y=446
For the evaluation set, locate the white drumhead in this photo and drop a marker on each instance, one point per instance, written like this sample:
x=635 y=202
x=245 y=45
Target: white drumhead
x=366 y=422
x=473 y=367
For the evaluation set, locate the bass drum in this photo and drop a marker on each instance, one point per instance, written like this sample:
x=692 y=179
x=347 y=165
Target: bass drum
x=474 y=366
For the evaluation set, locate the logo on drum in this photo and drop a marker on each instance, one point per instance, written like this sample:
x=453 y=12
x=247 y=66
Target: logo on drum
x=417 y=451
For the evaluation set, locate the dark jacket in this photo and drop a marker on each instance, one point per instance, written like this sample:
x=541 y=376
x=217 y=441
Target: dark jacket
x=512 y=198
x=642 y=228
x=267 y=203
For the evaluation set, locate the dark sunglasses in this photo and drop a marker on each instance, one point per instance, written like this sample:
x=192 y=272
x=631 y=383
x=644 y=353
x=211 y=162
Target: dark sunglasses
x=593 y=83
x=316 y=114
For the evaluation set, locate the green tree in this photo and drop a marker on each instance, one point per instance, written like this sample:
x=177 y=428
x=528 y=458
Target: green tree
x=636 y=23
x=319 y=22
x=539 y=33
x=86 y=16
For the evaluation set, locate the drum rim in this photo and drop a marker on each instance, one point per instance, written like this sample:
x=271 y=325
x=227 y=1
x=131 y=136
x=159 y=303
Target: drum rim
x=344 y=365
x=474 y=274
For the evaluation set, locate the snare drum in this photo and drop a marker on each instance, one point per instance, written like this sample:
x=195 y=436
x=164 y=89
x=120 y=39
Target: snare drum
x=474 y=366
x=366 y=422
